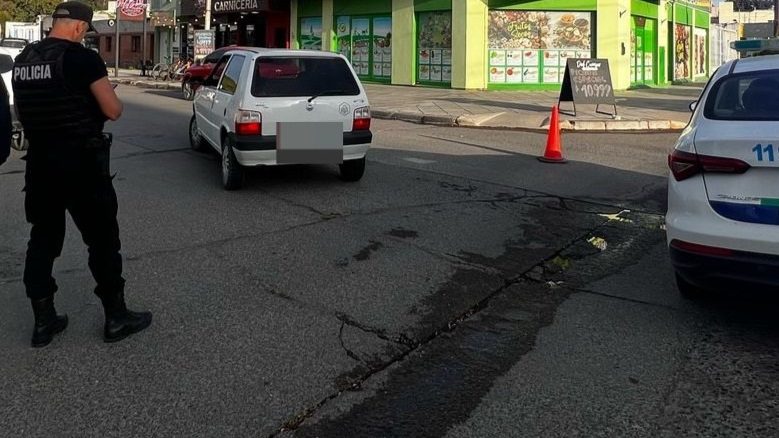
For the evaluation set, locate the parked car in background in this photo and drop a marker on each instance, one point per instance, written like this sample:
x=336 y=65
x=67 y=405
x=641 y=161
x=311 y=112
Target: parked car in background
x=14 y=43
x=267 y=107
x=723 y=190
x=196 y=74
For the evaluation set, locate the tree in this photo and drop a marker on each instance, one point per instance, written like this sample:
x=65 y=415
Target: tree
x=28 y=10
x=750 y=5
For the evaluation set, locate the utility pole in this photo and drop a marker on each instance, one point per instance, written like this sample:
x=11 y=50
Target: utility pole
x=776 y=17
x=116 y=42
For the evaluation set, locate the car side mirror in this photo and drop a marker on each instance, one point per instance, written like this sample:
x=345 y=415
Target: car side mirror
x=6 y=63
x=693 y=105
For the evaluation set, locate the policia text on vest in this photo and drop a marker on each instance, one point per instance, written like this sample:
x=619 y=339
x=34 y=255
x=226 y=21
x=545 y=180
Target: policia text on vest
x=32 y=72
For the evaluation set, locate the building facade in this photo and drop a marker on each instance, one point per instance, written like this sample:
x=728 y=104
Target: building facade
x=508 y=44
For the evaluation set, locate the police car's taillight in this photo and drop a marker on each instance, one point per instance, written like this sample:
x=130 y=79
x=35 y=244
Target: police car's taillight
x=362 y=119
x=684 y=165
x=248 y=123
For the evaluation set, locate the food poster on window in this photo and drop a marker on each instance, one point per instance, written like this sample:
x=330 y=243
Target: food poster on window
x=311 y=33
x=382 y=46
x=434 y=44
x=544 y=39
x=681 y=52
x=361 y=43
x=343 y=29
x=700 y=51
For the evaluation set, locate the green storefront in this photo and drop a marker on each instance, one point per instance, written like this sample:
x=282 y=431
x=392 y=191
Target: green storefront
x=508 y=44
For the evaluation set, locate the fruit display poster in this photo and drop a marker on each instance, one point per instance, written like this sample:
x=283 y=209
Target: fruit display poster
x=382 y=46
x=434 y=42
x=343 y=26
x=536 y=41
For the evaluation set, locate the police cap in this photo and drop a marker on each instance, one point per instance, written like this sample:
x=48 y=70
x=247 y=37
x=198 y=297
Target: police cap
x=75 y=11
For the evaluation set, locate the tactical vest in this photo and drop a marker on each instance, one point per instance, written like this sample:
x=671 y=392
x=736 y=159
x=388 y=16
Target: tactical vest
x=48 y=110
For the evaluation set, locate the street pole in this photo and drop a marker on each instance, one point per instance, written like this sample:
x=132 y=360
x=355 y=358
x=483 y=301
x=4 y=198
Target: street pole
x=776 y=17
x=116 y=43
x=208 y=14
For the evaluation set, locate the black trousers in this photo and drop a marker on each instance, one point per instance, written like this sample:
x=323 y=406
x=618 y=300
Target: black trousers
x=78 y=183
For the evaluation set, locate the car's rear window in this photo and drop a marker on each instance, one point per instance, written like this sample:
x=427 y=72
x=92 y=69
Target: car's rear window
x=302 y=76
x=745 y=96
x=16 y=44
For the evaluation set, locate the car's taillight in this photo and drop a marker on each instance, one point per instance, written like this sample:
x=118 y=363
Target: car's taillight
x=701 y=249
x=362 y=119
x=248 y=123
x=684 y=165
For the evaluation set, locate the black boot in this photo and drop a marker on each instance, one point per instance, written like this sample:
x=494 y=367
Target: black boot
x=47 y=322
x=120 y=322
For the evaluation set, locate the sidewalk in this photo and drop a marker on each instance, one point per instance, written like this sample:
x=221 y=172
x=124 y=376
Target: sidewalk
x=660 y=109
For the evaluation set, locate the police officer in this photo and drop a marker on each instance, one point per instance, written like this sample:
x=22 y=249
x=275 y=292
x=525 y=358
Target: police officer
x=63 y=98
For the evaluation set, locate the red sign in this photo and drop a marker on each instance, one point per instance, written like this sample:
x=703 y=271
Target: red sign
x=131 y=10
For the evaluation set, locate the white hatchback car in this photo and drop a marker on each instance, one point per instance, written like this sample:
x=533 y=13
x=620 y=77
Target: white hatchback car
x=277 y=106
x=723 y=192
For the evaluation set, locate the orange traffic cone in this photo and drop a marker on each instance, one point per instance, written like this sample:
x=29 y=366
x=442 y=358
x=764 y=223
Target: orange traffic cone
x=554 y=152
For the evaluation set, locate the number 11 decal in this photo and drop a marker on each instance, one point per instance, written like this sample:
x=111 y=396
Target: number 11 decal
x=768 y=150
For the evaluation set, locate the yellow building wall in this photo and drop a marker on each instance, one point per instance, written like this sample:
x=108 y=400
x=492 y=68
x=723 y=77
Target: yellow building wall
x=328 y=26
x=403 y=50
x=613 y=39
x=662 y=39
x=469 y=44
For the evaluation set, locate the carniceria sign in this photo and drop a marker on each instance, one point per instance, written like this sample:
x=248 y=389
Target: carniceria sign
x=230 y=6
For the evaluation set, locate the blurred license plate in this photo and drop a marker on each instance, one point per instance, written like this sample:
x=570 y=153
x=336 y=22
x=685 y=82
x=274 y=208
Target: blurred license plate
x=309 y=143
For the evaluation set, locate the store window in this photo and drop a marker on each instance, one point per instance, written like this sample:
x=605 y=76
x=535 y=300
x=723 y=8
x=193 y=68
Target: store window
x=367 y=43
x=109 y=44
x=532 y=47
x=434 y=47
x=643 y=35
x=135 y=44
x=310 y=33
x=701 y=54
x=681 y=51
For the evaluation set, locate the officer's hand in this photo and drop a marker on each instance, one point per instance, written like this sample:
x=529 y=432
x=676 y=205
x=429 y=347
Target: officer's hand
x=106 y=98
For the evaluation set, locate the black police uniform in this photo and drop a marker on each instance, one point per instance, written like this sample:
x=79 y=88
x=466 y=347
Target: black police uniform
x=67 y=163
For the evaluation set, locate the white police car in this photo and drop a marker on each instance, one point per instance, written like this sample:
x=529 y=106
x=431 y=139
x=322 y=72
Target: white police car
x=277 y=106
x=723 y=192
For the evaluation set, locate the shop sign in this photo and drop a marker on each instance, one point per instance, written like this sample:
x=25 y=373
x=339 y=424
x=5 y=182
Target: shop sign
x=204 y=42
x=534 y=46
x=587 y=81
x=131 y=10
x=706 y=4
x=232 y=6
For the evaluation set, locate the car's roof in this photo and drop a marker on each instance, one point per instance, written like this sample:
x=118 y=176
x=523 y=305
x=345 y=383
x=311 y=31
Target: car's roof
x=753 y=63
x=262 y=51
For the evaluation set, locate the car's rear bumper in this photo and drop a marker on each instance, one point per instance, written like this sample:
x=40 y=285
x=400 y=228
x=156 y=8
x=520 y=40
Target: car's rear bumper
x=268 y=158
x=731 y=271
x=253 y=143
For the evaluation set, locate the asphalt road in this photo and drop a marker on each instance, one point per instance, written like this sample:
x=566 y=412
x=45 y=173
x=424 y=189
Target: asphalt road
x=460 y=289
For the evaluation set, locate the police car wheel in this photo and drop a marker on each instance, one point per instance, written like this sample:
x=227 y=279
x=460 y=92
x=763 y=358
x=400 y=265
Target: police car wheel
x=232 y=173
x=196 y=141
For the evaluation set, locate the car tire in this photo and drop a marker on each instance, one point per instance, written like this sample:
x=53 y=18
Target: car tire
x=687 y=289
x=187 y=90
x=352 y=170
x=196 y=140
x=232 y=173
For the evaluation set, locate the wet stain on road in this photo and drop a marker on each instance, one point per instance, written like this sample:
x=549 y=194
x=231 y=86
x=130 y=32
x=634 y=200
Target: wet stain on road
x=403 y=234
x=365 y=253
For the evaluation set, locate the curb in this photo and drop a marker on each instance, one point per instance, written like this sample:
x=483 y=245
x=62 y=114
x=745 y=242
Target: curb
x=467 y=121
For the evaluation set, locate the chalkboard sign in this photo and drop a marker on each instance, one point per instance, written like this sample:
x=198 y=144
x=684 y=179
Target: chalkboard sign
x=587 y=81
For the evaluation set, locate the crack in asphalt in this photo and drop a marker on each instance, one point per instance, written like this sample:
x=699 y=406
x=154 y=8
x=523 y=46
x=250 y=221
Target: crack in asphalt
x=349 y=352
x=630 y=300
x=415 y=344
